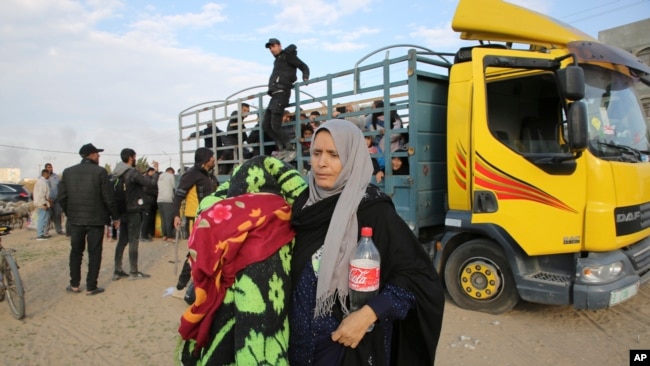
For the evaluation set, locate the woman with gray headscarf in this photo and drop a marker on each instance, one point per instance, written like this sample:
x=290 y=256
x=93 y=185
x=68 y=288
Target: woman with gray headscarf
x=327 y=219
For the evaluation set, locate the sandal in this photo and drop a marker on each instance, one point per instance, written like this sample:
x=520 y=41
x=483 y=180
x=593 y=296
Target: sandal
x=74 y=290
x=96 y=291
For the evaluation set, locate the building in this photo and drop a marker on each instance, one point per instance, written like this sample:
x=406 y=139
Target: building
x=10 y=175
x=635 y=38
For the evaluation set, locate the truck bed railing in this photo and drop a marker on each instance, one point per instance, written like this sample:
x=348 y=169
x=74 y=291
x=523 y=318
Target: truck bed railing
x=391 y=80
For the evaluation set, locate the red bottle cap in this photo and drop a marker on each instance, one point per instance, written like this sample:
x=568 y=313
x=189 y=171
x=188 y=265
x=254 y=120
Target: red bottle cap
x=366 y=231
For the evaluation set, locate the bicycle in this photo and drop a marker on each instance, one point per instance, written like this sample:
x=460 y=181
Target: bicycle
x=11 y=286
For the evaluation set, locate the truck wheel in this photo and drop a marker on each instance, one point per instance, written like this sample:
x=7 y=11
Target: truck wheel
x=479 y=278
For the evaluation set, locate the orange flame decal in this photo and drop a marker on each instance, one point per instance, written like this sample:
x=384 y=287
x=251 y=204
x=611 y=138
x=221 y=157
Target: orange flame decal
x=507 y=187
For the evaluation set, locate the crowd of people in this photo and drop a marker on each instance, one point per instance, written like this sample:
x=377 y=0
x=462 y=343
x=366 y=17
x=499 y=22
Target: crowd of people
x=126 y=201
x=277 y=123
x=372 y=125
x=268 y=250
x=324 y=213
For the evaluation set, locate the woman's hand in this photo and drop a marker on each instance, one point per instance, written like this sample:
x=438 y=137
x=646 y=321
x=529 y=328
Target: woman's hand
x=354 y=327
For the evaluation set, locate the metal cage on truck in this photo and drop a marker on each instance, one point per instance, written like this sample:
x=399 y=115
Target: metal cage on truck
x=412 y=85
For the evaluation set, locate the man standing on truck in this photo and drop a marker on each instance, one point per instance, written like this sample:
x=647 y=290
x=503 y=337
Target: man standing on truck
x=280 y=84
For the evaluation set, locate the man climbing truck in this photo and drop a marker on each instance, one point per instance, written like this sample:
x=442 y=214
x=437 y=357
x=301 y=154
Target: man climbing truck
x=528 y=157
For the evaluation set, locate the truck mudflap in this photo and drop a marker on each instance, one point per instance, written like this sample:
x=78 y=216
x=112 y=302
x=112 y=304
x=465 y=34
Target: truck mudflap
x=635 y=272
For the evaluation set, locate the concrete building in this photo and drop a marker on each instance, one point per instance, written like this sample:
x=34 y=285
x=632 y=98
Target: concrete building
x=9 y=175
x=635 y=38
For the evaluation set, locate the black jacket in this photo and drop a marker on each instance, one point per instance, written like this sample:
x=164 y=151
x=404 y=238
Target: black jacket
x=86 y=195
x=284 y=70
x=205 y=183
x=135 y=183
x=231 y=138
x=207 y=133
x=150 y=194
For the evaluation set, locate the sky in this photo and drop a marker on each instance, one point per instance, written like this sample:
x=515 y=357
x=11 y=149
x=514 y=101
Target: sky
x=117 y=73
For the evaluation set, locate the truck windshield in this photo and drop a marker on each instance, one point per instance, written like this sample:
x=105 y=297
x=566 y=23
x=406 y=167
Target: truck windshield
x=617 y=128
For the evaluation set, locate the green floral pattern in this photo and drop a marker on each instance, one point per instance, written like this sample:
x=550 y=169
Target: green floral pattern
x=276 y=294
x=251 y=327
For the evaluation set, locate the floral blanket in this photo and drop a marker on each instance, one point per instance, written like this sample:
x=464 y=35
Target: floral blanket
x=241 y=253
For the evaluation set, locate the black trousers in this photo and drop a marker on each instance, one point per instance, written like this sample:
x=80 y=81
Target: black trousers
x=186 y=274
x=130 y=225
x=272 y=123
x=79 y=236
x=148 y=221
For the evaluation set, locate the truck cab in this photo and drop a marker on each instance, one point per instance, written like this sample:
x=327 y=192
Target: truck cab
x=533 y=214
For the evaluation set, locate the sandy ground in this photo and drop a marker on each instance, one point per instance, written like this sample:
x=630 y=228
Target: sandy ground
x=133 y=324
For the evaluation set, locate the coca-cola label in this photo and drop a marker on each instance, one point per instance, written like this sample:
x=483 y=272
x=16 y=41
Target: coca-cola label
x=364 y=275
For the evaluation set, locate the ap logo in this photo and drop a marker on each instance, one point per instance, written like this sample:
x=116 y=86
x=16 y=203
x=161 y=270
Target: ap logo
x=639 y=357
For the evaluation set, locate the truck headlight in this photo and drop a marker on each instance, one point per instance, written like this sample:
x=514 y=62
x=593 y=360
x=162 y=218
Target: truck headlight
x=603 y=273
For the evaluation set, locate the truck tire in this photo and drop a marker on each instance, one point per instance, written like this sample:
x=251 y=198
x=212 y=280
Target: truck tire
x=478 y=277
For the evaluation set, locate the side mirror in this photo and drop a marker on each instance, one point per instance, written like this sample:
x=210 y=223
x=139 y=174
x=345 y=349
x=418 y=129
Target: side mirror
x=572 y=82
x=578 y=126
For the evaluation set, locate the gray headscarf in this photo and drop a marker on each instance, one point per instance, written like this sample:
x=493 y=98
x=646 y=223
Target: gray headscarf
x=341 y=237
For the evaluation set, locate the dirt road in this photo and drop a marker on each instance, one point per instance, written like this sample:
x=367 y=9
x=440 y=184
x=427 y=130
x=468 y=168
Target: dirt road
x=132 y=323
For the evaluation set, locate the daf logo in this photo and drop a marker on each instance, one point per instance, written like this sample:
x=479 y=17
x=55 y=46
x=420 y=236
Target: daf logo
x=632 y=216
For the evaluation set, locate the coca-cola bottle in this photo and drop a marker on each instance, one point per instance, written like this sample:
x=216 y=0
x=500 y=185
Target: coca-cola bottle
x=363 y=280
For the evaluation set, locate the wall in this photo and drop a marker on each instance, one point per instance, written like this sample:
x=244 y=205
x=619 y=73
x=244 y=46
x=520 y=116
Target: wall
x=10 y=175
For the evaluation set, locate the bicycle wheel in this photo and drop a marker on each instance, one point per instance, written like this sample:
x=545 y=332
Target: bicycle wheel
x=15 y=293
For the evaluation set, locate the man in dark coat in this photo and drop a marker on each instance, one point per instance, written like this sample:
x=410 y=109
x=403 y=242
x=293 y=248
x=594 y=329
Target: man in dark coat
x=195 y=184
x=86 y=198
x=280 y=84
x=132 y=220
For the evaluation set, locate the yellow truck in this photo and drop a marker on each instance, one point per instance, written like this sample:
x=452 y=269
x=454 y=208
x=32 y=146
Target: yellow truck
x=548 y=189
x=528 y=154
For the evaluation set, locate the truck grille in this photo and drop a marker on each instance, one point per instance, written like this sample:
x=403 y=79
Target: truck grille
x=639 y=255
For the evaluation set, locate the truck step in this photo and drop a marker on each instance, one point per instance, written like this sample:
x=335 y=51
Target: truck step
x=554 y=278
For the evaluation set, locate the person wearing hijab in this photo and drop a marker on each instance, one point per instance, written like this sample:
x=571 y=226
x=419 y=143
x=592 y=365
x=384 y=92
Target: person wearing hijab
x=327 y=219
x=399 y=165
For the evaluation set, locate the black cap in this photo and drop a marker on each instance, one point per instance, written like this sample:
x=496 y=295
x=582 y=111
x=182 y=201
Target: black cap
x=271 y=42
x=88 y=149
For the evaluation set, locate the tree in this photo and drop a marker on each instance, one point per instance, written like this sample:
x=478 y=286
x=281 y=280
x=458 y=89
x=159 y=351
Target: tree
x=142 y=164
